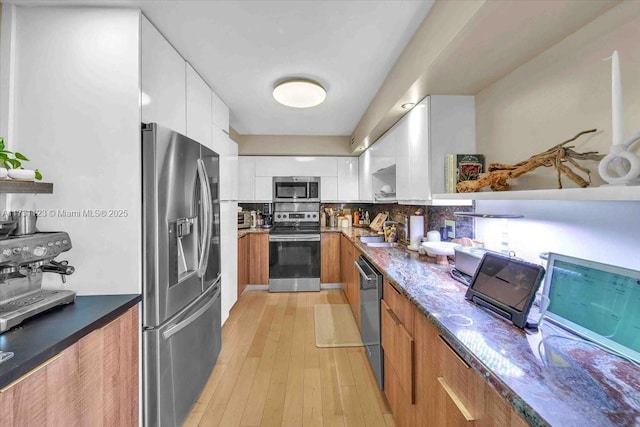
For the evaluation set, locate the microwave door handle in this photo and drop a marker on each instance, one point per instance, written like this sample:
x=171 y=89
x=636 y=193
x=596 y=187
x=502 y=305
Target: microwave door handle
x=205 y=202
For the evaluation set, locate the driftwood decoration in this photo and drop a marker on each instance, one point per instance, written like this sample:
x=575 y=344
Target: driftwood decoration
x=556 y=157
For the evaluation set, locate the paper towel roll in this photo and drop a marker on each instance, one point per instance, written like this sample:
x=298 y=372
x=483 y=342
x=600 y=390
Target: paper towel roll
x=416 y=230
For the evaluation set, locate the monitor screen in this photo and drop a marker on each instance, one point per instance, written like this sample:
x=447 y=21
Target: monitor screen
x=597 y=301
x=506 y=285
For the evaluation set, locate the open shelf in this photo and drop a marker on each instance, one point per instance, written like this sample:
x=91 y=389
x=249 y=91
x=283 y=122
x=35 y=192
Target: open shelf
x=619 y=193
x=32 y=187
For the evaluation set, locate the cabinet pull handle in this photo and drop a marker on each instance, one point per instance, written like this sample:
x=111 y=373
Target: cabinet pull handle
x=453 y=350
x=456 y=400
x=393 y=316
x=31 y=372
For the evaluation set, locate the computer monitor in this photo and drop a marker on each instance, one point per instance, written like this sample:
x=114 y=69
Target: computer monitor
x=597 y=301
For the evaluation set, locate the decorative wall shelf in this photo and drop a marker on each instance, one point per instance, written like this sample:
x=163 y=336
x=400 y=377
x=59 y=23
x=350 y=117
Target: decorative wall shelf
x=26 y=187
x=619 y=193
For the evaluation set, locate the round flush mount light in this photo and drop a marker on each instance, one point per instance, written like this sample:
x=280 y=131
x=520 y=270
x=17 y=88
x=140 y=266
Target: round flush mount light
x=408 y=105
x=299 y=93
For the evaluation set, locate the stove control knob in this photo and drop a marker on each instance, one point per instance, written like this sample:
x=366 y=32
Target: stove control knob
x=308 y=216
x=39 y=251
x=6 y=252
x=16 y=250
x=279 y=216
x=57 y=242
x=65 y=241
x=25 y=249
x=50 y=244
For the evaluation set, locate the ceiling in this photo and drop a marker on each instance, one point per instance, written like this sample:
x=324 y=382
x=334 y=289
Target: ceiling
x=242 y=48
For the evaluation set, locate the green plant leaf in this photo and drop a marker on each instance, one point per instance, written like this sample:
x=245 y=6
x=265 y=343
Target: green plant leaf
x=15 y=164
x=1 y=144
x=38 y=175
x=20 y=156
x=5 y=164
x=3 y=156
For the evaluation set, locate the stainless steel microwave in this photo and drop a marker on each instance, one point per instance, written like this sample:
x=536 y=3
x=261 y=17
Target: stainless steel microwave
x=296 y=189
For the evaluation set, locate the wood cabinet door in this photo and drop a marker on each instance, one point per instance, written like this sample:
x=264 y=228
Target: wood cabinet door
x=345 y=258
x=243 y=266
x=330 y=258
x=259 y=259
x=354 y=276
x=92 y=382
x=426 y=387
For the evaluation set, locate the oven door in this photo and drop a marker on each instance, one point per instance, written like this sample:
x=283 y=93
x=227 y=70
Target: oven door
x=294 y=262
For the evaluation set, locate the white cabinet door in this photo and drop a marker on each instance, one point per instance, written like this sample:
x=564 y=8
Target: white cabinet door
x=162 y=81
x=297 y=166
x=232 y=152
x=412 y=155
x=246 y=178
x=328 y=188
x=347 y=179
x=198 y=108
x=219 y=113
x=383 y=153
x=364 y=177
x=228 y=152
x=228 y=256
x=264 y=189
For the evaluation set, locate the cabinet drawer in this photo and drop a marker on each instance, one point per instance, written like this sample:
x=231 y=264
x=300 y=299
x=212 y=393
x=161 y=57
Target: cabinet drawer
x=461 y=385
x=401 y=306
x=399 y=349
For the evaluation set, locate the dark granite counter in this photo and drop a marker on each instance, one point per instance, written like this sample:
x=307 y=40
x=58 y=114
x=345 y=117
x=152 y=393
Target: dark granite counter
x=549 y=377
x=38 y=339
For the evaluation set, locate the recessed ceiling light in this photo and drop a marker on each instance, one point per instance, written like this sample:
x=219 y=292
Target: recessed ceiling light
x=299 y=93
x=408 y=105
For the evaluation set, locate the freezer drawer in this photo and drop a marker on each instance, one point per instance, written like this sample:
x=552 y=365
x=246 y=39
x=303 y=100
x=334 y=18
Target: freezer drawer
x=179 y=357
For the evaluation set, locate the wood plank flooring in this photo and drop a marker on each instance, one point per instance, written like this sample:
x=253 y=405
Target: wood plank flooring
x=270 y=372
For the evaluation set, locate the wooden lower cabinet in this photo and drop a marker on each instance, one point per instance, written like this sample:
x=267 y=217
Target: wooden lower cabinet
x=399 y=368
x=350 y=277
x=92 y=382
x=330 y=259
x=448 y=391
x=258 y=258
x=243 y=263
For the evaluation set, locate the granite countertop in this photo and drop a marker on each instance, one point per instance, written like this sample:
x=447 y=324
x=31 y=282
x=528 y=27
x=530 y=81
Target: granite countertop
x=576 y=383
x=244 y=231
x=41 y=337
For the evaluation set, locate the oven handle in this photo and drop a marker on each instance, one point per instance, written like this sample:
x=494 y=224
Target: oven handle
x=294 y=238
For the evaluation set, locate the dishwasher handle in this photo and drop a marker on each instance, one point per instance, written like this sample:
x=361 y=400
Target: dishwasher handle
x=367 y=277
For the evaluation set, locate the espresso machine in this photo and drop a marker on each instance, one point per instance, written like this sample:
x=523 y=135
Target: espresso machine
x=23 y=261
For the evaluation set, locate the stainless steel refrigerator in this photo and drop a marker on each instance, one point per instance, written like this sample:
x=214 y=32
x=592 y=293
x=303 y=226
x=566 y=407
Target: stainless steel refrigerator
x=181 y=333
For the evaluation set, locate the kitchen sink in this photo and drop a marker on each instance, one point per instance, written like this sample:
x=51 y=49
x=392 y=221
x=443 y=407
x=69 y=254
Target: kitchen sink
x=381 y=244
x=372 y=239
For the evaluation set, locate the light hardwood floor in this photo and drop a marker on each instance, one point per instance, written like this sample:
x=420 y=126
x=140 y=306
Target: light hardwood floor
x=270 y=372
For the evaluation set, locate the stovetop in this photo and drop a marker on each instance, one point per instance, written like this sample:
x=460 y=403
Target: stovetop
x=304 y=228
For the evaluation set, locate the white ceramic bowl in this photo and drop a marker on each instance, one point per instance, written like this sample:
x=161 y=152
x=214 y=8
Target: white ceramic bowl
x=23 y=174
x=439 y=248
x=386 y=189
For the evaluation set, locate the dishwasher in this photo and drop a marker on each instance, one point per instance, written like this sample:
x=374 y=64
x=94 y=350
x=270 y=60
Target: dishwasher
x=370 y=296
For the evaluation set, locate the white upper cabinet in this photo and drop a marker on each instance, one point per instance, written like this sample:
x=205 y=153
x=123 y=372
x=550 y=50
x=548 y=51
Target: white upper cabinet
x=219 y=113
x=246 y=178
x=296 y=166
x=264 y=189
x=198 y=108
x=347 y=179
x=162 y=80
x=228 y=152
x=329 y=188
x=416 y=146
x=364 y=177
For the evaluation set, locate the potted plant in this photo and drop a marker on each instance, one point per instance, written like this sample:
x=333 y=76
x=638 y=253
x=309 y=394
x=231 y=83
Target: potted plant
x=11 y=163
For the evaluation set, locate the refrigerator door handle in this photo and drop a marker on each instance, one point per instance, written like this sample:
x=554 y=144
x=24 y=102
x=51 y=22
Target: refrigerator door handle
x=191 y=318
x=205 y=201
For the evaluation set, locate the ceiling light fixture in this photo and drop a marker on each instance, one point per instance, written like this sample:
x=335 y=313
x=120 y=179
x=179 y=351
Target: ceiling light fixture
x=299 y=93
x=408 y=105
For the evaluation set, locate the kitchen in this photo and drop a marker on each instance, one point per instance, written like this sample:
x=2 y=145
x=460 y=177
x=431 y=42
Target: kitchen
x=543 y=88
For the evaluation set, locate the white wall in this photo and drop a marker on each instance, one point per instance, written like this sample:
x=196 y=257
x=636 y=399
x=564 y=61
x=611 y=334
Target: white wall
x=76 y=115
x=564 y=90
x=607 y=232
